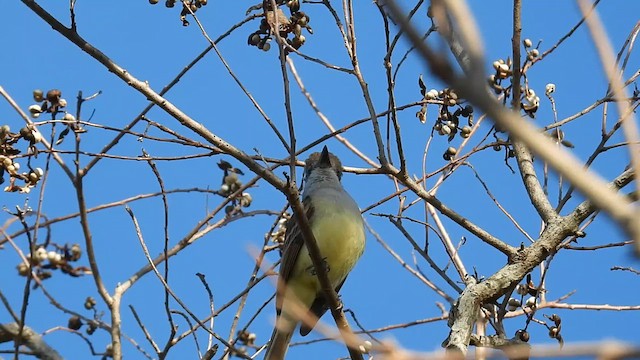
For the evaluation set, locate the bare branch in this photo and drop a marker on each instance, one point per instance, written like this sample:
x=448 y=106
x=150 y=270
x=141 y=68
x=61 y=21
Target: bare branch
x=29 y=338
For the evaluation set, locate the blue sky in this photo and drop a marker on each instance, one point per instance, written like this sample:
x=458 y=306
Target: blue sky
x=150 y=42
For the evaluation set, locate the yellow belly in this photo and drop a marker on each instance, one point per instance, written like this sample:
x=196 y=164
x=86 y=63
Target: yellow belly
x=340 y=237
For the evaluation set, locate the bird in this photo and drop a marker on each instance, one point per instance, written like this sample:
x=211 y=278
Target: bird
x=338 y=227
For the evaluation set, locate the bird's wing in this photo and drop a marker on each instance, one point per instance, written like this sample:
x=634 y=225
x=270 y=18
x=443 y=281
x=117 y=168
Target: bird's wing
x=293 y=242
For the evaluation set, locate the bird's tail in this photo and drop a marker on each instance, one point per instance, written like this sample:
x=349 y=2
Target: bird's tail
x=280 y=339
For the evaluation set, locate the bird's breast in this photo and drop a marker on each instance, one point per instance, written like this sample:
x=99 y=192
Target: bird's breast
x=338 y=228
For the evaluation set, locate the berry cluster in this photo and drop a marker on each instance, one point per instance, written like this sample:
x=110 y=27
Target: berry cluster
x=230 y=184
x=529 y=101
x=530 y=306
x=53 y=103
x=451 y=111
x=75 y=322
x=247 y=340
x=285 y=25
x=8 y=154
x=188 y=7
x=42 y=261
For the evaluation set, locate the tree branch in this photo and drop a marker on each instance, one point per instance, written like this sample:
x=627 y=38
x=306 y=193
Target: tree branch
x=28 y=338
x=474 y=89
x=150 y=94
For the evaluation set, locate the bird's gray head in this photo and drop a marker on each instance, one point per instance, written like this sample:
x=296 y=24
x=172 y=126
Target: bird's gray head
x=323 y=164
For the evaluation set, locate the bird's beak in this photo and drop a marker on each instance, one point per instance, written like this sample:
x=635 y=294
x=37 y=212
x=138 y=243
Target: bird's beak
x=325 y=160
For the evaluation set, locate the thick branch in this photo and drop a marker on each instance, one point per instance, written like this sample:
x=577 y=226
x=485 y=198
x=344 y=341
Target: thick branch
x=465 y=312
x=537 y=195
x=28 y=338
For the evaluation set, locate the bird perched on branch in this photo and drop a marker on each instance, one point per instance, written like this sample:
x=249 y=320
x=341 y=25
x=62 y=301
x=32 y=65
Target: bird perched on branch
x=338 y=228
